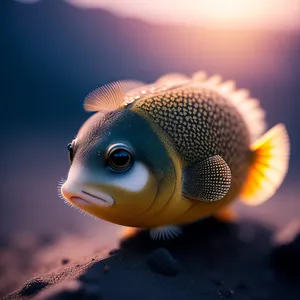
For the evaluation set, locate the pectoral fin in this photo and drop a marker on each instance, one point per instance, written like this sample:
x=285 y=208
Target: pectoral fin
x=208 y=180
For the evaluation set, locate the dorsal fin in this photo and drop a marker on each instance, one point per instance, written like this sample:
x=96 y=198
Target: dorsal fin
x=162 y=84
x=214 y=81
x=249 y=108
x=137 y=93
x=122 y=93
x=172 y=79
x=110 y=96
x=199 y=76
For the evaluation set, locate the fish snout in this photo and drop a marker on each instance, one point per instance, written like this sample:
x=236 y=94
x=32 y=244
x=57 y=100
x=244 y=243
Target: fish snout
x=83 y=195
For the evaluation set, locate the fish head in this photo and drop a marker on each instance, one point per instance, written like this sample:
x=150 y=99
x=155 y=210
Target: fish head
x=118 y=168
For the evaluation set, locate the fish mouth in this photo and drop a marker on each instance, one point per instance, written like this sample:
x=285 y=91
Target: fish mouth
x=87 y=199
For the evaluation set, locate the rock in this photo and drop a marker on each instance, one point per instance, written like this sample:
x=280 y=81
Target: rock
x=33 y=287
x=65 y=261
x=106 y=269
x=228 y=269
x=161 y=261
x=114 y=252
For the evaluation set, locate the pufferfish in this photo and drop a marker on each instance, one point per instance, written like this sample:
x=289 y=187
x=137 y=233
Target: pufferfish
x=172 y=152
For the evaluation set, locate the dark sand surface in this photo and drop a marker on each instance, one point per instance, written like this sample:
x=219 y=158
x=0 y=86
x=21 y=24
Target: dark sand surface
x=211 y=260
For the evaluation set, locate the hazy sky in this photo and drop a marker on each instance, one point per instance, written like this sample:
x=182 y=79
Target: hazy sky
x=274 y=14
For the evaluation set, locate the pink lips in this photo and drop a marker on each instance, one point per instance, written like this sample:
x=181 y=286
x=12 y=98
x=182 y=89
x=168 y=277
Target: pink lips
x=86 y=199
x=81 y=195
x=79 y=201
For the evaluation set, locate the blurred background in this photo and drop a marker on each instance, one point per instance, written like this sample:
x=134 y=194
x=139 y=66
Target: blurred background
x=54 y=52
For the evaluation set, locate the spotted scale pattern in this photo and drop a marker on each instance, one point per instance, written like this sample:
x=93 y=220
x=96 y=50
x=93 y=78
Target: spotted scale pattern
x=200 y=123
x=208 y=180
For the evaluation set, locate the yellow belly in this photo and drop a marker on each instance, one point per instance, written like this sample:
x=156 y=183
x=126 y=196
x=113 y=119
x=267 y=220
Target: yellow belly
x=171 y=207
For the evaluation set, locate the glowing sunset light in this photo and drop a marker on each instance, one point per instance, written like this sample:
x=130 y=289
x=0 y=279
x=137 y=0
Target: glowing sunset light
x=273 y=14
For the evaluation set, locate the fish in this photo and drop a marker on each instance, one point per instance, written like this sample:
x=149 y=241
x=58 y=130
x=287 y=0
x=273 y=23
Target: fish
x=163 y=154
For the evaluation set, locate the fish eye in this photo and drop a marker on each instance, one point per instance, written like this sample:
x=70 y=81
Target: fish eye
x=71 y=151
x=119 y=158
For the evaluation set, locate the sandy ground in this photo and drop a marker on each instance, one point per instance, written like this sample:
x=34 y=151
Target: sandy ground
x=211 y=260
x=29 y=254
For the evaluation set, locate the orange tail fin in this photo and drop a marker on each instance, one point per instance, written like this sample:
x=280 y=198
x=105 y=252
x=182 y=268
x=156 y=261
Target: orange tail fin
x=269 y=167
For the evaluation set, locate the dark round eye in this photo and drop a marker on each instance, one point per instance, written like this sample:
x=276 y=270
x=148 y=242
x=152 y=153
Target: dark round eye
x=119 y=158
x=71 y=152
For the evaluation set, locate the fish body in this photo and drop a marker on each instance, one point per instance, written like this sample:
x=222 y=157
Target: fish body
x=173 y=152
x=196 y=123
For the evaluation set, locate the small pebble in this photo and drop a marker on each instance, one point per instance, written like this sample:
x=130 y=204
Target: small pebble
x=161 y=261
x=65 y=261
x=114 y=251
x=106 y=269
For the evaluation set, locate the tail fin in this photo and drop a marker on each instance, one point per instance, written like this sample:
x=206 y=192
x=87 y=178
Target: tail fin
x=269 y=166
